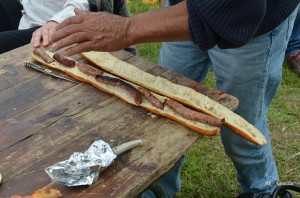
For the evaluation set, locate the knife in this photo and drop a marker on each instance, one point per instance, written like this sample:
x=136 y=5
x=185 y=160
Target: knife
x=47 y=71
x=84 y=168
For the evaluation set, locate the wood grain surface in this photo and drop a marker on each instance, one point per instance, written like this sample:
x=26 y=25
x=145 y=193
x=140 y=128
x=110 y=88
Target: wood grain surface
x=43 y=120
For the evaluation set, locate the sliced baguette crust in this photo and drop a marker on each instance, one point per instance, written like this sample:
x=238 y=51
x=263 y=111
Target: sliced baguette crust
x=124 y=95
x=185 y=95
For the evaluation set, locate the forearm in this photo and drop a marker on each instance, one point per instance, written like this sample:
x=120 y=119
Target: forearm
x=167 y=24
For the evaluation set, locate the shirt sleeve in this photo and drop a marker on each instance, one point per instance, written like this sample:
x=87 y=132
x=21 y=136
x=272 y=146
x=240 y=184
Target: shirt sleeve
x=68 y=10
x=227 y=23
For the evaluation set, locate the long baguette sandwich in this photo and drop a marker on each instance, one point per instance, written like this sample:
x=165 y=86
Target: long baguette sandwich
x=184 y=95
x=131 y=93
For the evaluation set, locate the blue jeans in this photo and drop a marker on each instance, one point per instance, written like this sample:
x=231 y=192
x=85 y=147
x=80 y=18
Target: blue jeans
x=251 y=73
x=294 y=42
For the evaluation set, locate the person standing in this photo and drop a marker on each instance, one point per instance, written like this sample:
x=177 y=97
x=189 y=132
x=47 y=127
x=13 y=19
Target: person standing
x=243 y=41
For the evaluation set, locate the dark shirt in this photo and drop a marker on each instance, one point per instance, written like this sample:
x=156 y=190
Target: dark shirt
x=232 y=23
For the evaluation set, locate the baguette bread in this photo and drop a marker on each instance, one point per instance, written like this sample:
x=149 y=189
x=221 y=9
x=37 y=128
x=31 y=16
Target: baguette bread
x=124 y=95
x=185 y=95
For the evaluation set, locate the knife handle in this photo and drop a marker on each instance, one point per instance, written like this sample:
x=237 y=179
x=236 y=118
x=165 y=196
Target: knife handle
x=38 y=68
x=126 y=146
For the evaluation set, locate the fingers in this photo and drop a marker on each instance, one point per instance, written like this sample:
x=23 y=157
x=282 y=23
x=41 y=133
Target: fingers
x=82 y=47
x=66 y=28
x=65 y=33
x=51 y=32
x=43 y=34
x=103 y=30
x=36 y=37
x=68 y=36
x=69 y=21
x=48 y=31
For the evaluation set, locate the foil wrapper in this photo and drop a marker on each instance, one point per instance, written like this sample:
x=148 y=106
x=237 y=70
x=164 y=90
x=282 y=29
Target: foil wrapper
x=83 y=168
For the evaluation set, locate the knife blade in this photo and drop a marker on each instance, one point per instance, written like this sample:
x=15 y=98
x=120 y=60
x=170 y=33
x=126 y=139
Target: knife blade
x=47 y=71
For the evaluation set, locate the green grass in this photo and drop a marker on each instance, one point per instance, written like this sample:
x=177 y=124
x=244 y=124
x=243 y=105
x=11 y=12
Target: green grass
x=208 y=172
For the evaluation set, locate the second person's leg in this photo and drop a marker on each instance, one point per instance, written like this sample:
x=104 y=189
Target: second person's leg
x=252 y=73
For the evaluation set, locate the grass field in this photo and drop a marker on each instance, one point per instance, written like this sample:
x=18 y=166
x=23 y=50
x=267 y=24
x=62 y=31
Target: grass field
x=208 y=172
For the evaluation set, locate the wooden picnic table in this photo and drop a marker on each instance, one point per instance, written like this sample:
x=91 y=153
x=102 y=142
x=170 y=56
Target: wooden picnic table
x=43 y=120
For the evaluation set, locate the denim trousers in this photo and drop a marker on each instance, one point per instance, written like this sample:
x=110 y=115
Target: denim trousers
x=294 y=42
x=251 y=73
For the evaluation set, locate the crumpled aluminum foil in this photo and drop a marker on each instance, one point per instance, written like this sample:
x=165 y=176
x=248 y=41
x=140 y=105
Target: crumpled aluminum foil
x=83 y=168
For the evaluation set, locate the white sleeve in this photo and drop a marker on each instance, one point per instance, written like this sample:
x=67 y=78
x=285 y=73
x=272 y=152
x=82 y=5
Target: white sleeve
x=68 y=9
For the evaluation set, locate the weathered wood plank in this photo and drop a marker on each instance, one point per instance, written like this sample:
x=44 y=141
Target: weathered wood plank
x=69 y=141
x=29 y=93
x=12 y=70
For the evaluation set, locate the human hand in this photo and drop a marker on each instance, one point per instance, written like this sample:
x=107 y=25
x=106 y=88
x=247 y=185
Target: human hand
x=43 y=34
x=91 y=31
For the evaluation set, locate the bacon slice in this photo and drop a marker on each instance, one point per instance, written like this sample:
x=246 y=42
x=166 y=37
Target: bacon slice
x=152 y=99
x=64 y=60
x=43 y=55
x=193 y=115
x=137 y=97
